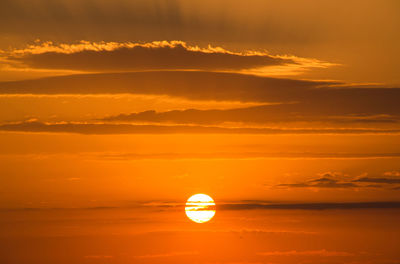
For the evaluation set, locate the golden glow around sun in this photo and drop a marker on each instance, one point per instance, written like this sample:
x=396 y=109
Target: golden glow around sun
x=200 y=208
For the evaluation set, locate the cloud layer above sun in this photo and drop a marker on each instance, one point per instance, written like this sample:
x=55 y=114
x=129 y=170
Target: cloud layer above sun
x=277 y=103
x=157 y=55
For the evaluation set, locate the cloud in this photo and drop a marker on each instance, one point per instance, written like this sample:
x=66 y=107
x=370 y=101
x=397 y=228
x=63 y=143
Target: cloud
x=128 y=56
x=308 y=206
x=326 y=181
x=165 y=255
x=316 y=104
x=321 y=253
x=392 y=173
x=262 y=24
x=238 y=155
x=235 y=205
x=378 y=180
x=337 y=180
x=188 y=84
x=98 y=257
x=310 y=97
x=295 y=112
x=231 y=155
x=103 y=128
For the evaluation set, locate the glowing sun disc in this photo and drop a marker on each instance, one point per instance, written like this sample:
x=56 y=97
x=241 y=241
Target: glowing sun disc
x=200 y=208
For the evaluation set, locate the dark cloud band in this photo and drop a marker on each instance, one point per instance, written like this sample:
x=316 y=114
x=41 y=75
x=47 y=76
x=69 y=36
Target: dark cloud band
x=111 y=57
x=310 y=206
x=248 y=205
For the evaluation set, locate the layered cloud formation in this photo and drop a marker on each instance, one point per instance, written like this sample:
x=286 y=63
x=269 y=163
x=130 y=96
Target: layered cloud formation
x=157 y=55
x=279 y=101
x=179 y=70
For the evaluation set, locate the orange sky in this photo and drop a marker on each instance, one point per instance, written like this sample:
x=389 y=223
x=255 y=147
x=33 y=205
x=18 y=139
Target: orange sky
x=113 y=113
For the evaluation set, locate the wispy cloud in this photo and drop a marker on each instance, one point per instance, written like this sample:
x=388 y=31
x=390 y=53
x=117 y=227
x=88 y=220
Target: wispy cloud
x=99 y=257
x=195 y=85
x=258 y=205
x=167 y=255
x=261 y=114
x=104 y=128
x=338 y=181
x=236 y=155
x=232 y=206
x=321 y=252
x=327 y=180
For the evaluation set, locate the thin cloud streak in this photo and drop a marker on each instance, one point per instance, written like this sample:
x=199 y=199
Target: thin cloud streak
x=232 y=155
x=234 y=206
x=195 y=85
x=240 y=155
x=321 y=252
x=263 y=114
x=378 y=180
x=104 y=129
x=166 y=255
x=309 y=206
x=338 y=181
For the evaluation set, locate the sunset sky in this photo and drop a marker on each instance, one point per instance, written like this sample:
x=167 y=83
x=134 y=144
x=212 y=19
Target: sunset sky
x=114 y=113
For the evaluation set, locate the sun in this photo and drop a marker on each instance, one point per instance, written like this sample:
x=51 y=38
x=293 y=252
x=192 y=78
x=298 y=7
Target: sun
x=200 y=208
